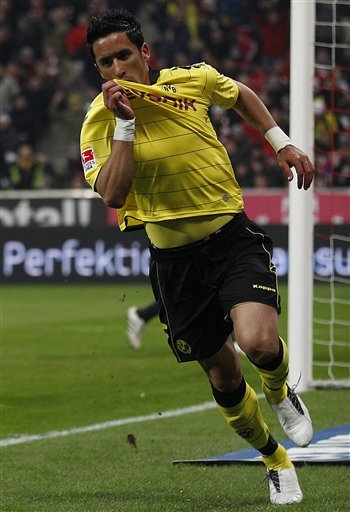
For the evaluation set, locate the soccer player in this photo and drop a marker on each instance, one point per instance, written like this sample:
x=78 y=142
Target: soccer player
x=149 y=149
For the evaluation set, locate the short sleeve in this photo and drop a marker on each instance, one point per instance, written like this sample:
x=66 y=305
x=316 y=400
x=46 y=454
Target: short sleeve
x=223 y=89
x=96 y=139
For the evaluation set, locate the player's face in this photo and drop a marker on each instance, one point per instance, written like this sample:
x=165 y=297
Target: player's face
x=117 y=57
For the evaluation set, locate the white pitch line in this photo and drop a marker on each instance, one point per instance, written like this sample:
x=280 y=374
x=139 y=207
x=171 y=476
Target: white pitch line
x=107 y=424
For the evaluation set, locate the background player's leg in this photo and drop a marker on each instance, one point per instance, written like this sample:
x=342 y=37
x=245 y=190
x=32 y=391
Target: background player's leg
x=137 y=319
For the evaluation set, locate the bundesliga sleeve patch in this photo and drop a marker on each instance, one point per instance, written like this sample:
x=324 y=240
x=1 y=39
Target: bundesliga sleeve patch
x=88 y=160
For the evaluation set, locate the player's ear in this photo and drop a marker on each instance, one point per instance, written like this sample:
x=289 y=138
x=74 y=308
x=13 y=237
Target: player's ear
x=98 y=69
x=145 y=52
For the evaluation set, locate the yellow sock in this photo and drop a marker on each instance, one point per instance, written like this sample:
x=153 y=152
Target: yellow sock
x=246 y=419
x=274 y=381
x=278 y=460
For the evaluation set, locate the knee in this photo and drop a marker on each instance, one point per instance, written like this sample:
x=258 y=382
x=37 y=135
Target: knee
x=260 y=345
x=262 y=354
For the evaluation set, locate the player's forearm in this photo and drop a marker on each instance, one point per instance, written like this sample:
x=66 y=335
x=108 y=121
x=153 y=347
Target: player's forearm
x=116 y=176
x=252 y=109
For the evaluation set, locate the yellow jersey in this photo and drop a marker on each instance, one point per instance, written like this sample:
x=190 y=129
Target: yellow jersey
x=181 y=168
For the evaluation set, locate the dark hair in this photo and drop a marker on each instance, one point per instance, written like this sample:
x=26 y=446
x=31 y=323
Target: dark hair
x=114 y=20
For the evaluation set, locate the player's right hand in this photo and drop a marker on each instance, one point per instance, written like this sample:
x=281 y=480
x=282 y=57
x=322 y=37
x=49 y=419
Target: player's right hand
x=116 y=101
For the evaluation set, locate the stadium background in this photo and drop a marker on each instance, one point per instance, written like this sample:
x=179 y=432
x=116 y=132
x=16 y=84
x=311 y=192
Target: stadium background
x=67 y=371
x=48 y=82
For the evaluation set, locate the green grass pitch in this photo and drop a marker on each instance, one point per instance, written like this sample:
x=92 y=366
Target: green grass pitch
x=65 y=363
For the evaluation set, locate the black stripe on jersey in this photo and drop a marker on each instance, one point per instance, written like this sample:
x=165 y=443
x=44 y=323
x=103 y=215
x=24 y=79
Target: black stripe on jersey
x=187 y=134
x=179 y=154
x=175 y=191
x=99 y=121
x=184 y=171
x=161 y=120
x=185 y=207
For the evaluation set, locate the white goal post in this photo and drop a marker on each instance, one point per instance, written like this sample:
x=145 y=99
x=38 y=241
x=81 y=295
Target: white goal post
x=300 y=238
x=318 y=25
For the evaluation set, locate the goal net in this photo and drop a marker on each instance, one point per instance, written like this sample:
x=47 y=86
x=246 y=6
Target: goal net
x=331 y=298
x=331 y=320
x=328 y=356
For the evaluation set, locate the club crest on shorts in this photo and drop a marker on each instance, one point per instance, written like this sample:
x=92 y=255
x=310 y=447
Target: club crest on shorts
x=183 y=346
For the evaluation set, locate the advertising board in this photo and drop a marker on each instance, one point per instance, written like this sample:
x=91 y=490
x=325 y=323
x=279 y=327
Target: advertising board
x=71 y=237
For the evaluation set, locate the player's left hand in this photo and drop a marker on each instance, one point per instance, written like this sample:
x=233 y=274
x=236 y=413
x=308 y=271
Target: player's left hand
x=289 y=157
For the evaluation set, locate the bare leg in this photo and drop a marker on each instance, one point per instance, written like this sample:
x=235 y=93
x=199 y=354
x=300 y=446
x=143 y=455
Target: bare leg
x=256 y=330
x=224 y=368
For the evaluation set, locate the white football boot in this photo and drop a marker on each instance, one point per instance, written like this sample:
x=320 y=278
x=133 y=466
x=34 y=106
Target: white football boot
x=294 y=418
x=135 y=328
x=284 y=486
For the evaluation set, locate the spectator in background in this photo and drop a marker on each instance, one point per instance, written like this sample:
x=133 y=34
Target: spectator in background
x=74 y=41
x=72 y=177
x=245 y=49
x=326 y=126
x=25 y=120
x=8 y=138
x=243 y=145
x=59 y=69
x=10 y=85
x=272 y=23
x=30 y=24
x=8 y=145
x=6 y=43
x=29 y=171
x=244 y=174
x=48 y=56
x=58 y=24
x=341 y=176
x=27 y=61
x=176 y=36
x=66 y=113
x=42 y=52
x=39 y=94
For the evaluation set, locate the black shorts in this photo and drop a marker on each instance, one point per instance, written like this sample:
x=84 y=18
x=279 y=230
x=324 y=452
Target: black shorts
x=197 y=285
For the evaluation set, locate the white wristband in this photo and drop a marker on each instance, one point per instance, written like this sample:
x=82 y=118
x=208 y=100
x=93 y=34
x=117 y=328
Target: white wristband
x=277 y=138
x=125 y=129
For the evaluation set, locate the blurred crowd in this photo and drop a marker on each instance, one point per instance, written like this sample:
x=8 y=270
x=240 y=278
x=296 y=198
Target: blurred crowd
x=48 y=81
